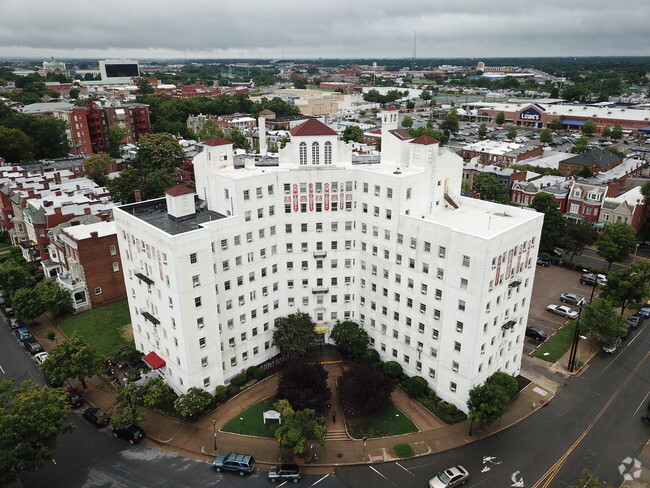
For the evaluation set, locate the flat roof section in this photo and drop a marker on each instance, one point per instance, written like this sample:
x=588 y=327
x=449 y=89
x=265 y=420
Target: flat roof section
x=154 y=212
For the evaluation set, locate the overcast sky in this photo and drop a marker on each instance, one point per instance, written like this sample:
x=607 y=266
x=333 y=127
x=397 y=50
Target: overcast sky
x=307 y=29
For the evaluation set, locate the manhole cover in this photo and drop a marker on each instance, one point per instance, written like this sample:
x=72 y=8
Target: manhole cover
x=339 y=455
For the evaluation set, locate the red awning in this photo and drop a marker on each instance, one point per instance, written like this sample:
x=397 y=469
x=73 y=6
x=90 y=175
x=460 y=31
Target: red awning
x=154 y=360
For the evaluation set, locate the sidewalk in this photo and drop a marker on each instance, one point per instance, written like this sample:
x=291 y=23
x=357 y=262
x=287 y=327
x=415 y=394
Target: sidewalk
x=196 y=441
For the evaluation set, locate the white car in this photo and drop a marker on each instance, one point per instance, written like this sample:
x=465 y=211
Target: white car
x=563 y=310
x=40 y=357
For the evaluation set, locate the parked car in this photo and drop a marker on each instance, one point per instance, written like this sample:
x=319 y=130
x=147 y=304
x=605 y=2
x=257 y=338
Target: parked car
x=562 y=310
x=7 y=311
x=590 y=278
x=544 y=262
x=40 y=357
x=33 y=346
x=131 y=432
x=536 y=333
x=14 y=323
x=285 y=472
x=96 y=416
x=233 y=461
x=449 y=478
x=645 y=311
x=23 y=334
x=572 y=299
x=53 y=381
x=74 y=397
x=635 y=320
x=610 y=347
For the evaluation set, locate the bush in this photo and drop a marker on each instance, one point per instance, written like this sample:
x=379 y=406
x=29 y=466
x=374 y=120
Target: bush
x=392 y=369
x=221 y=393
x=508 y=383
x=448 y=413
x=238 y=380
x=193 y=403
x=403 y=450
x=370 y=356
x=259 y=374
x=250 y=371
x=233 y=390
x=416 y=386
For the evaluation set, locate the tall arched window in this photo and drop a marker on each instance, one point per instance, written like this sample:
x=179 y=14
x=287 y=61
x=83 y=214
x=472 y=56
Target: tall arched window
x=315 y=156
x=303 y=153
x=328 y=152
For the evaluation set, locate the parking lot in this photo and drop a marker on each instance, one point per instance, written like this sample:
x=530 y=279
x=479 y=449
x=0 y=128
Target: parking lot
x=549 y=284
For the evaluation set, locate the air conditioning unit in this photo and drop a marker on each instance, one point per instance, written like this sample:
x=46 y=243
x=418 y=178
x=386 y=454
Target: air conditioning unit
x=363 y=286
x=347 y=248
x=348 y=266
x=419 y=349
x=424 y=292
x=412 y=246
x=264 y=294
x=305 y=286
x=291 y=287
x=305 y=268
x=347 y=301
x=232 y=345
x=319 y=230
x=196 y=285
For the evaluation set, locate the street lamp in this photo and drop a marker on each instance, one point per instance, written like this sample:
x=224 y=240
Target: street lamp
x=214 y=432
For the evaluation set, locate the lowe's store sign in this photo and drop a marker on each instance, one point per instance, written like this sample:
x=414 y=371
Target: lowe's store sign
x=530 y=114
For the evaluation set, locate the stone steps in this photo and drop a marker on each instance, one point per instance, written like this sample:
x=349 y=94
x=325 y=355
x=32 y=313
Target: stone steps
x=337 y=435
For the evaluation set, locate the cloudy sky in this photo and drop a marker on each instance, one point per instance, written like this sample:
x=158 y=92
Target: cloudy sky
x=292 y=29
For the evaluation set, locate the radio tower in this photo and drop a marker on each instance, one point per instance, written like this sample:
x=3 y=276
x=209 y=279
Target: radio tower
x=414 y=45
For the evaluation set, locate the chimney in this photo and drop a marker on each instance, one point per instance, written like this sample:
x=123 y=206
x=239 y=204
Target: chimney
x=261 y=124
x=94 y=235
x=57 y=178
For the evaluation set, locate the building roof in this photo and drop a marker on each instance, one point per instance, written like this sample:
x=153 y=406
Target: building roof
x=217 y=141
x=178 y=190
x=594 y=158
x=401 y=134
x=78 y=232
x=312 y=127
x=425 y=141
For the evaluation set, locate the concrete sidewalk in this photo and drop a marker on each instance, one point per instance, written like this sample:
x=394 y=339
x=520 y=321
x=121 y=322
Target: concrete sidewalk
x=197 y=441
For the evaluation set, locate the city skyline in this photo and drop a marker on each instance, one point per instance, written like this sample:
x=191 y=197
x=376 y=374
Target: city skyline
x=335 y=29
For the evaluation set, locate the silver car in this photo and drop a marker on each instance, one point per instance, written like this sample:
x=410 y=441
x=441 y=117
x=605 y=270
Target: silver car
x=449 y=478
x=572 y=299
x=563 y=310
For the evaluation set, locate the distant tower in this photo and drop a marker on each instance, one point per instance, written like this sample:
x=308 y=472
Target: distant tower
x=374 y=73
x=415 y=34
x=480 y=66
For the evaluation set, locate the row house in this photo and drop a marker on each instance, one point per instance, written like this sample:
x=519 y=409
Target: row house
x=629 y=208
x=523 y=192
x=507 y=176
x=497 y=152
x=597 y=160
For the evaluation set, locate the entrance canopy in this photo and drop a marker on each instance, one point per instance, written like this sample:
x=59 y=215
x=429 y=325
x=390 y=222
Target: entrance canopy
x=155 y=361
x=577 y=122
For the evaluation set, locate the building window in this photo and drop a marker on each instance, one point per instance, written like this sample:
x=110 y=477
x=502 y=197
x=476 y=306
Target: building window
x=466 y=261
x=452 y=387
x=98 y=290
x=328 y=153
x=455 y=366
x=442 y=251
x=116 y=267
x=197 y=302
x=204 y=362
x=315 y=156
x=303 y=153
x=456 y=346
x=193 y=258
x=202 y=342
x=113 y=250
x=461 y=305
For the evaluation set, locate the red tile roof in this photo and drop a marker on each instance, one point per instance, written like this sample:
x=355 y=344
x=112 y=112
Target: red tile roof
x=217 y=141
x=313 y=127
x=178 y=190
x=390 y=109
x=425 y=140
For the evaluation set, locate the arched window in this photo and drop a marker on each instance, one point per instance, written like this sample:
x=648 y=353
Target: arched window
x=328 y=152
x=315 y=156
x=303 y=153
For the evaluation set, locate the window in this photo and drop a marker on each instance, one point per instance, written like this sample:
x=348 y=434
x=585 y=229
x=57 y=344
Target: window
x=204 y=362
x=197 y=301
x=199 y=322
x=452 y=387
x=461 y=305
x=463 y=283
x=303 y=159
x=442 y=251
x=98 y=290
x=315 y=156
x=202 y=342
x=459 y=327
x=328 y=153
x=247 y=195
x=457 y=346
x=193 y=258
x=455 y=366
x=466 y=261
x=112 y=249
x=116 y=267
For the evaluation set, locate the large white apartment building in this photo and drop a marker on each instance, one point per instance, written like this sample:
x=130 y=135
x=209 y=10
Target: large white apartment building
x=442 y=283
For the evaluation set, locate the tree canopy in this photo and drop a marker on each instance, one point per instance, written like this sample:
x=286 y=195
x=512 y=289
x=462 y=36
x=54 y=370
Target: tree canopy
x=294 y=334
x=450 y=124
x=96 y=167
x=616 y=241
x=512 y=134
x=482 y=131
x=486 y=403
x=577 y=235
x=299 y=427
x=554 y=223
x=350 y=338
x=490 y=188
x=500 y=118
x=352 y=133
x=601 y=320
x=304 y=385
x=366 y=388
x=628 y=285
x=114 y=137
x=158 y=151
x=546 y=136
x=73 y=358
x=589 y=127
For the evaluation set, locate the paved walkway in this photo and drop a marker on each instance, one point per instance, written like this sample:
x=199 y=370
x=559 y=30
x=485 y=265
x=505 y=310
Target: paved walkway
x=197 y=440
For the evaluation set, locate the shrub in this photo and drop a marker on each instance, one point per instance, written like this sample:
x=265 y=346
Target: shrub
x=448 y=413
x=249 y=384
x=221 y=393
x=508 y=383
x=233 y=390
x=403 y=450
x=370 y=356
x=259 y=374
x=251 y=371
x=392 y=369
x=416 y=386
x=238 y=380
x=193 y=403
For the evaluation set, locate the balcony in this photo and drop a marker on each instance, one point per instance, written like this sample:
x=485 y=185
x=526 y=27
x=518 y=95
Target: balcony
x=509 y=324
x=516 y=281
x=149 y=317
x=143 y=277
x=320 y=254
x=67 y=282
x=320 y=289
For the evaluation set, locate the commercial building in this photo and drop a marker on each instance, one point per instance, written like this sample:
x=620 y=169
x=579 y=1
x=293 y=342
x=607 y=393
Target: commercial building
x=441 y=283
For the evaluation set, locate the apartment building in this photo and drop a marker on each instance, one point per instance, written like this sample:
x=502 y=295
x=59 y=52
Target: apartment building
x=441 y=283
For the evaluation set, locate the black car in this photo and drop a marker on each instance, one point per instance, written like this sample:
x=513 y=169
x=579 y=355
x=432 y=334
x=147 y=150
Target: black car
x=96 y=416
x=536 y=333
x=285 y=472
x=33 y=347
x=131 y=432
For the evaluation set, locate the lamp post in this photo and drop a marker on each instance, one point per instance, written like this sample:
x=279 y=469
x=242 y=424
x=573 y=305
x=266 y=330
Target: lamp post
x=365 y=440
x=214 y=432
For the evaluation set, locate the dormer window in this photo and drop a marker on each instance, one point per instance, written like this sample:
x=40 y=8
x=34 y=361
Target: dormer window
x=593 y=195
x=577 y=193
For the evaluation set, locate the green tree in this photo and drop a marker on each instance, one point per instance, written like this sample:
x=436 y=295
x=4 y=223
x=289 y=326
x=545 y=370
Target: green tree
x=628 y=285
x=13 y=277
x=294 y=334
x=156 y=183
x=546 y=136
x=601 y=321
x=508 y=383
x=73 y=358
x=607 y=132
x=425 y=95
x=74 y=93
x=500 y=118
x=115 y=136
x=238 y=139
x=53 y=298
x=125 y=411
x=450 y=124
x=299 y=82
x=580 y=145
x=193 y=403
x=27 y=305
x=487 y=403
x=490 y=188
x=645 y=191
x=617 y=132
x=144 y=87
x=616 y=241
x=156 y=393
x=588 y=128
x=577 y=236
x=96 y=167
x=352 y=133
x=366 y=388
x=512 y=134
x=158 y=151
x=553 y=230
x=407 y=121
x=350 y=338
x=304 y=385
x=555 y=124
x=299 y=428
x=482 y=131
x=15 y=146
x=209 y=130
x=123 y=187
x=31 y=418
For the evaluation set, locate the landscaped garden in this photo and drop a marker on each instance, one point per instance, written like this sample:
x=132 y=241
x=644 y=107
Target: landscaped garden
x=555 y=347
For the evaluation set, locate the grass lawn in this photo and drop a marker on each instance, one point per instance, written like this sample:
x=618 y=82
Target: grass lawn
x=102 y=327
x=253 y=422
x=557 y=345
x=389 y=422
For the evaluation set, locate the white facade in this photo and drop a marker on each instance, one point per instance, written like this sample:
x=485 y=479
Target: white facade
x=441 y=283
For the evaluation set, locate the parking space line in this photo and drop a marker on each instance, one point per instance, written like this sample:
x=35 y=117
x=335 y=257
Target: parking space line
x=382 y=476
